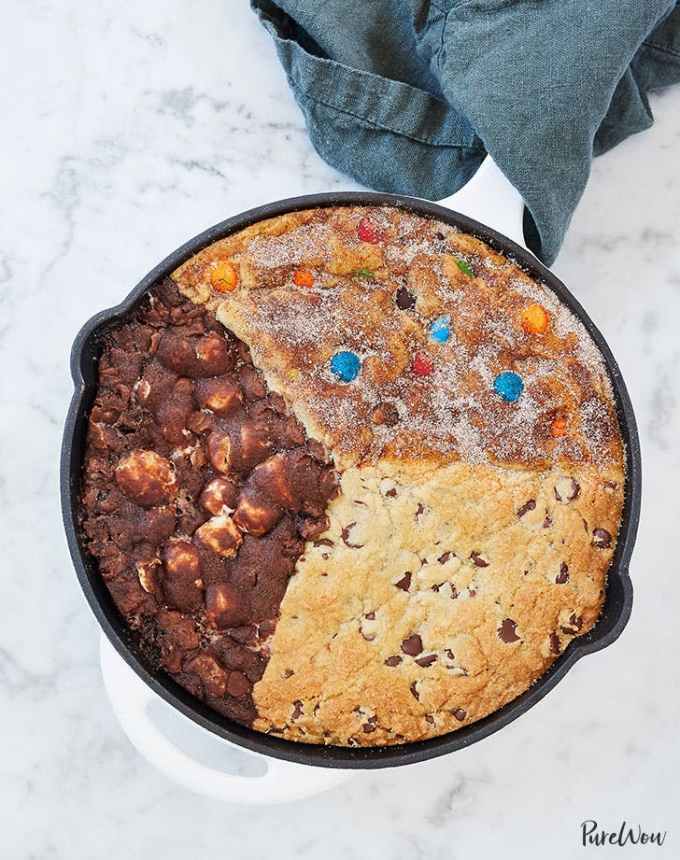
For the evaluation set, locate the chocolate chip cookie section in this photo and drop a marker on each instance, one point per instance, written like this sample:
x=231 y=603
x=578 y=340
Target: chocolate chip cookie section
x=434 y=597
x=199 y=493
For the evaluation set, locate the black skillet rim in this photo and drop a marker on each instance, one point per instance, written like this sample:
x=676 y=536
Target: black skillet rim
x=619 y=597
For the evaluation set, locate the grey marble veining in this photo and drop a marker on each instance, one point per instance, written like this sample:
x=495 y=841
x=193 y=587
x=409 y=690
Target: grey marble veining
x=127 y=129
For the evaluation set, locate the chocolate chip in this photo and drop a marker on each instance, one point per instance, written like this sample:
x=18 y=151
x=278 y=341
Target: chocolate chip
x=385 y=413
x=529 y=505
x=369 y=727
x=405 y=582
x=412 y=646
x=420 y=509
x=459 y=714
x=368 y=631
x=602 y=539
x=449 y=659
x=394 y=660
x=566 y=489
x=426 y=661
x=506 y=631
x=575 y=624
x=444 y=557
x=429 y=719
x=297 y=710
x=547 y=522
x=324 y=542
x=563 y=575
x=554 y=643
x=344 y=534
x=391 y=493
x=478 y=560
x=404 y=299
x=414 y=691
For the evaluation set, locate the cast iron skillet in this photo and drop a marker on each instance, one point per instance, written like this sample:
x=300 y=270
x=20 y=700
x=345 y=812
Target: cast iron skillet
x=84 y=359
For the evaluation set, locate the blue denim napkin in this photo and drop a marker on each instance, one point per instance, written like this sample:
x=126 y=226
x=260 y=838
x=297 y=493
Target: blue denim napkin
x=407 y=96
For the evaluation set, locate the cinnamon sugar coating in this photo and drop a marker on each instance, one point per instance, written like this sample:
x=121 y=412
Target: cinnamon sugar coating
x=379 y=301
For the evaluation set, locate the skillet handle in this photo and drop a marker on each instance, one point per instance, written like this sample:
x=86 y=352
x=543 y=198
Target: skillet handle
x=490 y=198
x=276 y=781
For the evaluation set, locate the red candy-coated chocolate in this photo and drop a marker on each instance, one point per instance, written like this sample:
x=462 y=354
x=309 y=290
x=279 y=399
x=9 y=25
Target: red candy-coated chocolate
x=422 y=364
x=368 y=232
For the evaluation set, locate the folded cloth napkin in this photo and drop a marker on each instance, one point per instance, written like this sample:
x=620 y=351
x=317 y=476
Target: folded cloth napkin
x=408 y=95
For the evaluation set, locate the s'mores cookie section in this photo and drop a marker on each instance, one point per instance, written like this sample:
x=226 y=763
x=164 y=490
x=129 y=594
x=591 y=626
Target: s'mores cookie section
x=199 y=493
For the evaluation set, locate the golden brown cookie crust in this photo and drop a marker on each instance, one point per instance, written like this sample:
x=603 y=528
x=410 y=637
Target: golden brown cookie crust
x=472 y=536
x=461 y=556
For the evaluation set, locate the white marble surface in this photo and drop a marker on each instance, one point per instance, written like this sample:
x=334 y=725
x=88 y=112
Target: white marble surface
x=128 y=128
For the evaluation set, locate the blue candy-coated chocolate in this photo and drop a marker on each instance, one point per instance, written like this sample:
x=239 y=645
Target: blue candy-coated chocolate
x=440 y=330
x=509 y=385
x=345 y=365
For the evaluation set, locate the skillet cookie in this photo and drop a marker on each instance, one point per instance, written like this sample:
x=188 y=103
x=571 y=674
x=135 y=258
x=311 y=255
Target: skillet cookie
x=353 y=477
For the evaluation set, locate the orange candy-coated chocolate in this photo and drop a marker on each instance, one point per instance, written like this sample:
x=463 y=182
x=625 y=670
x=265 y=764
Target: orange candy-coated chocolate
x=535 y=319
x=224 y=277
x=558 y=427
